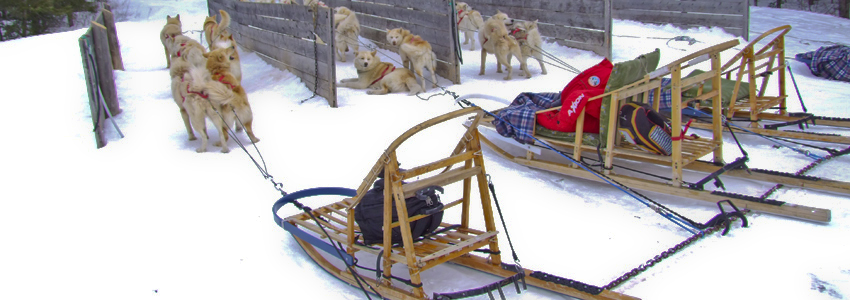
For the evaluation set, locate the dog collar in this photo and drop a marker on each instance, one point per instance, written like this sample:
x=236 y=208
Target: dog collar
x=205 y=96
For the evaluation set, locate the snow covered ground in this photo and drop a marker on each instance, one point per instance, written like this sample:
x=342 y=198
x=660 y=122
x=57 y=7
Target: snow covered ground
x=147 y=217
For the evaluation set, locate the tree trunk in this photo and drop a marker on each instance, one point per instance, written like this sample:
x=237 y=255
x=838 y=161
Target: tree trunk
x=843 y=10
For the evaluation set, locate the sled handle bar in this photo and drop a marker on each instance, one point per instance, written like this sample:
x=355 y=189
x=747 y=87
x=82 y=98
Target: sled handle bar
x=319 y=191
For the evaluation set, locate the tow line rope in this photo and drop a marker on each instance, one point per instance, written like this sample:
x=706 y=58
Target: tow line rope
x=279 y=187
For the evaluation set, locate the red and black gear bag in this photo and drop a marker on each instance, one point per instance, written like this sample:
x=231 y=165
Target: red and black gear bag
x=644 y=127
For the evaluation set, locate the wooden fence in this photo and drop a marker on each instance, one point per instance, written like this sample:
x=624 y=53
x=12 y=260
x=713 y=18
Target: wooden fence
x=580 y=24
x=101 y=54
x=731 y=15
x=282 y=35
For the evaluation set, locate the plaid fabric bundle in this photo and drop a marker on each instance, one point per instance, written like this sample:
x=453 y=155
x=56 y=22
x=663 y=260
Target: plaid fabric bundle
x=831 y=62
x=520 y=114
x=666 y=95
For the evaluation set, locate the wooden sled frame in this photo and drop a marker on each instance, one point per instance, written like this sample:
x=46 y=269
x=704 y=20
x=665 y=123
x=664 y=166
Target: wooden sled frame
x=451 y=243
x=754 y=66
x=686 y=150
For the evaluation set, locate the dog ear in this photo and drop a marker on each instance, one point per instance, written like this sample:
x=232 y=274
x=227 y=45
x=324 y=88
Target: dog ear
x=178 y=17
x=207 y=54
x=374 y=52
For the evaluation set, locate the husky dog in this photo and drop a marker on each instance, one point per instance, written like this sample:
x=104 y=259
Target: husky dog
x=187 y=50
x=180 y=67
x=382 y=77
x=495 y=39
x=227 y=88
x=529 y=39
x=173 y=28
x=415 y=52
x=218 y=36
x=468 y=21
x=346 y=32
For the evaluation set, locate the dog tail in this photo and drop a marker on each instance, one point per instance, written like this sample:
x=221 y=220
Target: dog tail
x=223 y=26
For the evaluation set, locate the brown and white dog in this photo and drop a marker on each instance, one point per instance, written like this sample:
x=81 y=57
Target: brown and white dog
x=173 y=28
x=494 y=38
x=415 y=52
x=218 y=36
x=530 y=42
x=381 y=77
x=346 y=32
x=468 y=21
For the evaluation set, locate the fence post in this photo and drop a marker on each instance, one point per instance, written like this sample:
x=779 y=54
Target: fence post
x=97 y=113
x=112 y=35
x=103 y=67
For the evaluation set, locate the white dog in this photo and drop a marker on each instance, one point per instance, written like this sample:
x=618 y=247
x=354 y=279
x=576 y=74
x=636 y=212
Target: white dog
x=468 y=21
x=529 y=39
x=346 y=32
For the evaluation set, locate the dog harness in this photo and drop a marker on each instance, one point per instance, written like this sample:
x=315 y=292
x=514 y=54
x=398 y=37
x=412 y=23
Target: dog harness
x=460 y=15
x=201 y=94
x=221 y=79
x=387 y=70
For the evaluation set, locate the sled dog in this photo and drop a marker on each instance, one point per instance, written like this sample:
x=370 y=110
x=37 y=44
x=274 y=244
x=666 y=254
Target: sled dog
x=468 y=21
x=187 y=50
x=180 y=67
x=173 y=28
x=382 y=77
x=530 y=42
x=226 y=88
x=415 y=53
x=346 y=32
x=495 y=39
x=218 y=36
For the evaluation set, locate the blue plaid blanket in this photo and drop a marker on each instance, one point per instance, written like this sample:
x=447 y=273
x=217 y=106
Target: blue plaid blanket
x=520 y=114
x=831 y=62
x=666 y=99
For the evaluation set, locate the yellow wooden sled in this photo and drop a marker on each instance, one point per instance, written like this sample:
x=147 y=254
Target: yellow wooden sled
x=686 y=150
x=746 y=83
x=454 y=241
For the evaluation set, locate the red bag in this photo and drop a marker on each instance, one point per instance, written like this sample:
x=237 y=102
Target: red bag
x=588 y=84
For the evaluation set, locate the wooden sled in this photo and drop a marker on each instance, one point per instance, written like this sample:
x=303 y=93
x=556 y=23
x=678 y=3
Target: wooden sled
x=753 y=68
x=454 y=240
x=686 y=150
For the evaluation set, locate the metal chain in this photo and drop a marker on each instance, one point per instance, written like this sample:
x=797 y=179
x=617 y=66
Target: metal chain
x=315 y=56
x=667 y=253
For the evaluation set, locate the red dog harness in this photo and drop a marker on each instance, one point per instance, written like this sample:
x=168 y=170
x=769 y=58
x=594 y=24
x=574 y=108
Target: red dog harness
x=461 y=16
x=387 y=70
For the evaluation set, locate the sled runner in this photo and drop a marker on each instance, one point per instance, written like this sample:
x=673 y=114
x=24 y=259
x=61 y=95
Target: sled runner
x=453 y=240
x=632 y=82
x=746 y=80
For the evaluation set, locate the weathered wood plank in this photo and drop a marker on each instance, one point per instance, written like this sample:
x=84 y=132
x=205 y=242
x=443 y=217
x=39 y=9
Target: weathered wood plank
x=97 y=114
x=114 y=46
x=593 y=21
x=434 y=6
x=103 y=68
x=679 y=19
x=427 y=19
x=714 y=7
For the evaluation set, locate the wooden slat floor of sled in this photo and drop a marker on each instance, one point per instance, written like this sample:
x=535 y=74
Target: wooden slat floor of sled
x=788 y=209
x=692 y=149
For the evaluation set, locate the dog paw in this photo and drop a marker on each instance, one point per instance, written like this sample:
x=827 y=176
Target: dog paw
x=225 y=150
x=255 y=140
x=192 y=138
x=543 y=73
x=508 y=77
x=201 y=150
